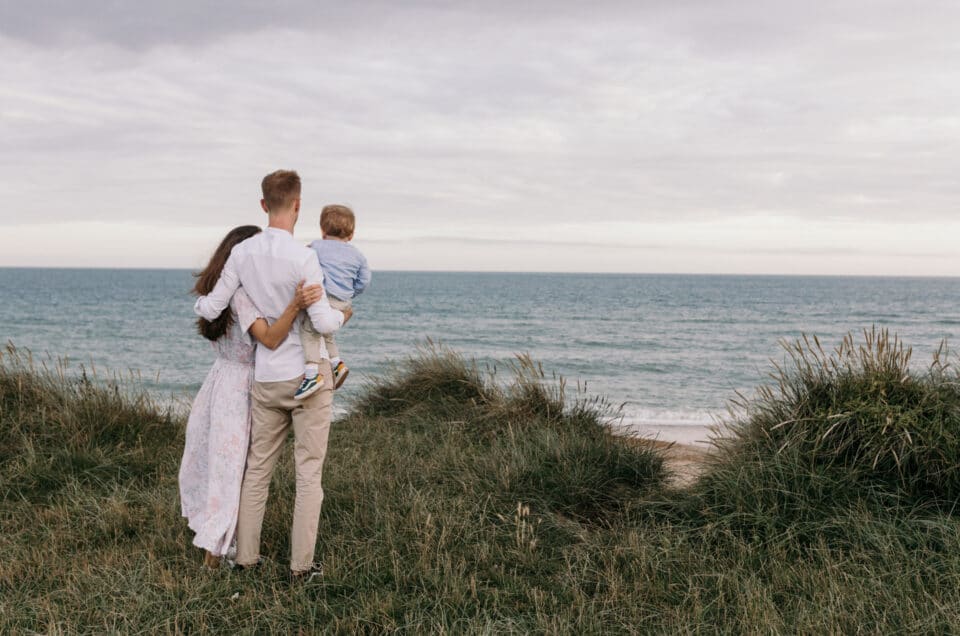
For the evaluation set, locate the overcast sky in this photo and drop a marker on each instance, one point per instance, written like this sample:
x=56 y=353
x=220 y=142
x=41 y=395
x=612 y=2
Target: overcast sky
x=645 y=136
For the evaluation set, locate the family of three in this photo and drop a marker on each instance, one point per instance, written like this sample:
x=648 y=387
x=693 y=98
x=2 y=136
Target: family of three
x=271 y=307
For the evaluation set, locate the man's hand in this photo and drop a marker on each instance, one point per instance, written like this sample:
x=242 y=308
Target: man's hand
x=347 y=312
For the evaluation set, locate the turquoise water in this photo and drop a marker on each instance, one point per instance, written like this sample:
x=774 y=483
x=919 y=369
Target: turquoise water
x=672 y=348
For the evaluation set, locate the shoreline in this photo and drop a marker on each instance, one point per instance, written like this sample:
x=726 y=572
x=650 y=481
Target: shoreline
x=697 y=436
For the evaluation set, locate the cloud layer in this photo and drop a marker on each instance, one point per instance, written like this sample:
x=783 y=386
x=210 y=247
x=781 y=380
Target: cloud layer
x=599 y=124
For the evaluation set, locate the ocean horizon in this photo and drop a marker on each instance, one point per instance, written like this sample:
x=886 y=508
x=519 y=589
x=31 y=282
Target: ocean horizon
x=523 y=272
x=669 y=350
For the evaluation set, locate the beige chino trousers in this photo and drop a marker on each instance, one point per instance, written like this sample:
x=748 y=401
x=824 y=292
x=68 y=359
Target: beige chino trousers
x=274 y=410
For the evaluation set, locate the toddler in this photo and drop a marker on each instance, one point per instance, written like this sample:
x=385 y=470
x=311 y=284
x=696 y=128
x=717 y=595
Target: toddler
x=345 y=274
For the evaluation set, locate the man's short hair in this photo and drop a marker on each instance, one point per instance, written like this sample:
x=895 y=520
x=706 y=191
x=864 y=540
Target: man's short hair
x=337 y=221
x=280 y=189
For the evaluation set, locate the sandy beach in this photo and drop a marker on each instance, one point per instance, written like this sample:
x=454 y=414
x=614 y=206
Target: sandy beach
x=685 y=447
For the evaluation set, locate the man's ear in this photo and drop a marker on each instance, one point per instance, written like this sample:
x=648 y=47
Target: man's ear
x=296 y=207
x=263 y=204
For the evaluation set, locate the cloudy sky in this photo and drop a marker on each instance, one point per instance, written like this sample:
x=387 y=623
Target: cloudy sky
x=645 y=136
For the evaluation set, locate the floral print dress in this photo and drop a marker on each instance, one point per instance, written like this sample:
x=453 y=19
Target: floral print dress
x=218 y=433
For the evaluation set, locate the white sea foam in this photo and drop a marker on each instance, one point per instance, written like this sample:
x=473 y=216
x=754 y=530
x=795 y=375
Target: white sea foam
x=683 y=427
x=666 y=417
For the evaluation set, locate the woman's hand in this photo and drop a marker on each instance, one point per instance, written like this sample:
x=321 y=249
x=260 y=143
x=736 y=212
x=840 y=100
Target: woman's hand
x=307 y=295
x=271 y=336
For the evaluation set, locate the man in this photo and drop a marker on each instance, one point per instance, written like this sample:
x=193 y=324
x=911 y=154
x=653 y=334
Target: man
x=269 y=266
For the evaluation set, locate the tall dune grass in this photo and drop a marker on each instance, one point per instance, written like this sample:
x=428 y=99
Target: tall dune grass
x=60 y=429
x=457 y=502
x=857 y=426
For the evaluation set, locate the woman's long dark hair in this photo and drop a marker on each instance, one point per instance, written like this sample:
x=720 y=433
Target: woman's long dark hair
x=207 y=280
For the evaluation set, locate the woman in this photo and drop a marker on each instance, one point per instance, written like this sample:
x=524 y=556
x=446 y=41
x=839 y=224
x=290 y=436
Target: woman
x=218 y=429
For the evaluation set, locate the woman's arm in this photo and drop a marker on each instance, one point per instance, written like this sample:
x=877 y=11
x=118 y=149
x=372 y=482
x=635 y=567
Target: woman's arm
x=212 y=305
x=271 y=336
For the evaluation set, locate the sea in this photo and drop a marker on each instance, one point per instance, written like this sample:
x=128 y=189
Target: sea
x=667 y=352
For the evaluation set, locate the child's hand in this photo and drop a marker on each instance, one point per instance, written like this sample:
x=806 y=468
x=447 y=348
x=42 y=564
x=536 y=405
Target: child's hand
x=307 y=295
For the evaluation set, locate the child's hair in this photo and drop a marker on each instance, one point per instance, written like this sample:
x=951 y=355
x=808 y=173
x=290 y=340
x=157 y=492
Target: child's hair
x=207 y=280
x=280 y=189
x=337 y=221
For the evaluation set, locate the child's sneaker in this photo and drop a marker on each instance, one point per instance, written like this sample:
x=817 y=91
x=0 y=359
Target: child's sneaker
x=308 y=387
x=340 y=373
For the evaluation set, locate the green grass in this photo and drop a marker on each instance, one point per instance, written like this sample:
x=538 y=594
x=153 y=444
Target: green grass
x=458 y=502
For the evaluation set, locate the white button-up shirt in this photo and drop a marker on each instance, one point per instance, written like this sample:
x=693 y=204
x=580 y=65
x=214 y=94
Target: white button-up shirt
x=269 y=266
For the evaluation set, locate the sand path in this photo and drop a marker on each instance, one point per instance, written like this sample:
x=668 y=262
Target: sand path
x=685 y=462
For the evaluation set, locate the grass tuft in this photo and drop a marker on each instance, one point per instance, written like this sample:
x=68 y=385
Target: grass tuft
x=59 y=429
x=855 y=422
x=434 y=376
x=528 y=443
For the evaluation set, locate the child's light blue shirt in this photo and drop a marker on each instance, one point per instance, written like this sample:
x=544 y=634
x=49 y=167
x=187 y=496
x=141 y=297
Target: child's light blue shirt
x=345 y=270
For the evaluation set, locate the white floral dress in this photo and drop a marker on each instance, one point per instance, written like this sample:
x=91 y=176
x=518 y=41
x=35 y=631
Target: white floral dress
x=218 y=433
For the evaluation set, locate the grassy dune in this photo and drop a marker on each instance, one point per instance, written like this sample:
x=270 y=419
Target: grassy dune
x=458 y=504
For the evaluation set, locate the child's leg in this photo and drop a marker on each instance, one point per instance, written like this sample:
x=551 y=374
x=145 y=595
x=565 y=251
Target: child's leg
x=312 y=343
x=330 y=339
x=331 y=343
x=310 y=340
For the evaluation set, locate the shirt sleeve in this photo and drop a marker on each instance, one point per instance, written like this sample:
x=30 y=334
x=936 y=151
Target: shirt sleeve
x=247 y=312
x=213 y=304
x=363 y=276
x=325 y=318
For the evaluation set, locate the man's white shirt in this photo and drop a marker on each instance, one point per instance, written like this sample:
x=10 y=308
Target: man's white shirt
x=269 y=266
